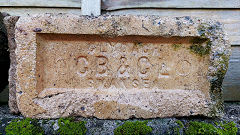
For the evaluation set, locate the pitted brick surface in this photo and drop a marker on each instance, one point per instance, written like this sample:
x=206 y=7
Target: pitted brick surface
x=10 y=22
x=118 y=67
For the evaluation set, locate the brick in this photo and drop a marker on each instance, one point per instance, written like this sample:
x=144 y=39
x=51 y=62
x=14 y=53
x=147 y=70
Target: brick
x=119 y=67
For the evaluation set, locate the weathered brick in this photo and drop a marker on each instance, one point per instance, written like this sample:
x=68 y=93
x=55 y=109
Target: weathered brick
x=118 y=67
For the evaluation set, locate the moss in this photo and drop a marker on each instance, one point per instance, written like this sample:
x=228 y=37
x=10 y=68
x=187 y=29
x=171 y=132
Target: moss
x=198 y=48
x=176 y=46
x=45 y=121
x=179 y=127
x=216 y=84
x=224 y=64
x=24 y=127
x=133 y=128
x=198 y=40
x=201 y=128
x=228 y=128
x=180 y=124
x=202 y=30
x=67 y=126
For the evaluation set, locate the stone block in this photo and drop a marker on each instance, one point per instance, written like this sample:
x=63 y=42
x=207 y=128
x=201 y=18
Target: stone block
x=119 y=67
x=10 y=22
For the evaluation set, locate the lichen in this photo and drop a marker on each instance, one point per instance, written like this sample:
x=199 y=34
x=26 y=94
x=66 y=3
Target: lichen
x=24 y=127
x=67 y=126
x=133 y=128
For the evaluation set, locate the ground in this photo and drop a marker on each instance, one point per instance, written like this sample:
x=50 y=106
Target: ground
x=106 y=127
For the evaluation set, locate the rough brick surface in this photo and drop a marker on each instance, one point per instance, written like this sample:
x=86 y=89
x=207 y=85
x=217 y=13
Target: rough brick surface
x=10 y=22
x=118 y=67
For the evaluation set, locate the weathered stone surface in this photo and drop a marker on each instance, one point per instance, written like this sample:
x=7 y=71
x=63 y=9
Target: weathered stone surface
x=118 y=67
x=10 y=22
x=4 y=54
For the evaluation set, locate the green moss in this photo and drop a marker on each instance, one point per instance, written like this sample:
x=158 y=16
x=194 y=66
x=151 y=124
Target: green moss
x=24 y=127
x=179 y=127
x=45 y=121
x=67 y=126
x=198 y=48
x=202 y=30
x=228 y=128
x=201 y=128
x=133 y=128
x=176 y=46
x=224 y=64
x=180 y=124
x=198 y=40
x=216 y=84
